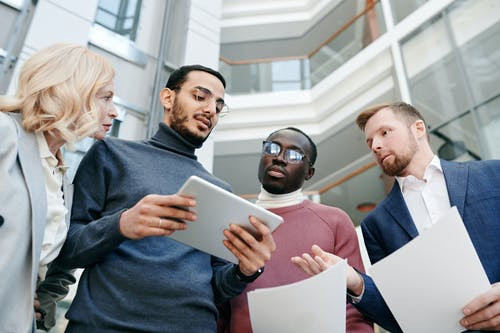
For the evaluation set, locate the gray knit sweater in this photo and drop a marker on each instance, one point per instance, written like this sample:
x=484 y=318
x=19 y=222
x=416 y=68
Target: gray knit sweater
x=150 y=285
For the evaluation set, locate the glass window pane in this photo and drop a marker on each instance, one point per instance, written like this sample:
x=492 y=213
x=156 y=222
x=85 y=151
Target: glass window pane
x=120 y=16
x=401 y=9
x=110 y=5
x=128 y=23
x=452 y=66
x=106 y=19
x=477 y=42
x=132 y=5
x=489 y=122
x=436 y=86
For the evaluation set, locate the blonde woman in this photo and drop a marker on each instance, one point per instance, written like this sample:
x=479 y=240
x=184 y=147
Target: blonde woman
x=64 y=94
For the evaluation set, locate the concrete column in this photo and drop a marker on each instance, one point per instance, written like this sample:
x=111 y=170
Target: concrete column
x=73 y=23
x=202 y=47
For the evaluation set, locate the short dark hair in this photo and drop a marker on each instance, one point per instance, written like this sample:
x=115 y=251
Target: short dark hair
x=179 y=76
x=314 y=150
x=401 y=109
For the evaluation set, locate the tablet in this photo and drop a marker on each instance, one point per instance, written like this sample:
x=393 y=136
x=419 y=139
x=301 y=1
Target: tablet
x=216 y=208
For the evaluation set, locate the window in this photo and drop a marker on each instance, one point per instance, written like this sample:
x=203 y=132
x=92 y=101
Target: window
x=120 y=16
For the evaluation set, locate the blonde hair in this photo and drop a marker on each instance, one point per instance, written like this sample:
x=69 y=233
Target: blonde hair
x=56 y=91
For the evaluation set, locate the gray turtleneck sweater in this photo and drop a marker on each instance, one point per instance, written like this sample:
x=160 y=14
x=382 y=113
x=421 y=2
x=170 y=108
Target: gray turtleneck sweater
x=153 y=284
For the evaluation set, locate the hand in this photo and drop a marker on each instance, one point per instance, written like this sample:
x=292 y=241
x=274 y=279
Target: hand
x=322 y=261
x=157 y=215
x=38 y=315
x=483 y=312
x=251 y=253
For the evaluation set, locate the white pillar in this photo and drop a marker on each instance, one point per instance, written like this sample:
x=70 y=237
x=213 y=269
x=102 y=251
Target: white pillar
x=202 y=47
x=72 y=25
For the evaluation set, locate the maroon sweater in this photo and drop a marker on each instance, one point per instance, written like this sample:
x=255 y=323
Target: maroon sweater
x=304 y=224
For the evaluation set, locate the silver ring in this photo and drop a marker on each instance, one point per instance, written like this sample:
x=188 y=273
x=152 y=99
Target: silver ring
x=160 y=222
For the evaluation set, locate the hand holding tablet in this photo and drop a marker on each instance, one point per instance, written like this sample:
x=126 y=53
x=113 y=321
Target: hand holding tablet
x=216 y=210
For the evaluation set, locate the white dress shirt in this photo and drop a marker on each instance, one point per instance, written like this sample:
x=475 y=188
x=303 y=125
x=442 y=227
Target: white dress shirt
x=426 y=198
x=55 y=227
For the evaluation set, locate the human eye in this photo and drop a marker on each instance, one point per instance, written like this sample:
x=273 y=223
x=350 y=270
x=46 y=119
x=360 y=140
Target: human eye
x=295 y=155
x=386 y=132
x=274 y=148
x=200 y=95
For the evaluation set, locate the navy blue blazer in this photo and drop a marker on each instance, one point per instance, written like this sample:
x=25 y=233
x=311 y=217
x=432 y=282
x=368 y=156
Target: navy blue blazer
x=474 y=187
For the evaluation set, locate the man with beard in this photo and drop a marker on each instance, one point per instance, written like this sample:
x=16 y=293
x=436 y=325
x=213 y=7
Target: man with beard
x=135 y=279
x=286 y=162
x=425 y=186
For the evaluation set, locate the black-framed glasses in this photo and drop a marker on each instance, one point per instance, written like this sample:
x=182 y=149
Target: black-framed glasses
x=290 y=155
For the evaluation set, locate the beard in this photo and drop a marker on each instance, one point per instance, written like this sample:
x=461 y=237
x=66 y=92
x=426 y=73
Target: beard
x=401 y=161
x=178 y=122
x=396 y=167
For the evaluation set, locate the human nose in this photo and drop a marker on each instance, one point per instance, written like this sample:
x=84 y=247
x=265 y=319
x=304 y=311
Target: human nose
x=376 y=145
x=112 y=112
x=210 y=106
x=280 y=157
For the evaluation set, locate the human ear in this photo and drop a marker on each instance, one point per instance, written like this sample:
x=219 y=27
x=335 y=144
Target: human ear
x=310 y=172
x=420 y=128
x=167 y=98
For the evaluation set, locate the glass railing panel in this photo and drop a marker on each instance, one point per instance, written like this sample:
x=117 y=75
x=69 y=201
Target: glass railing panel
x=346 y=44
x=303 y=72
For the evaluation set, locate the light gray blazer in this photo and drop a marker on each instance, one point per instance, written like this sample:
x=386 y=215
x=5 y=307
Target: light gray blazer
x=23 y=210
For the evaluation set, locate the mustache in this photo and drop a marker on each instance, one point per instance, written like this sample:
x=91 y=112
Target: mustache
x=203 y=115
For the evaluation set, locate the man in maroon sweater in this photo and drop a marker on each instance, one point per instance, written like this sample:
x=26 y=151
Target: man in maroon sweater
x=287 y=160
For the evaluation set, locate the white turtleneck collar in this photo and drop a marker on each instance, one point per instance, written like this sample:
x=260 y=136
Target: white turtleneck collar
x=270 y=200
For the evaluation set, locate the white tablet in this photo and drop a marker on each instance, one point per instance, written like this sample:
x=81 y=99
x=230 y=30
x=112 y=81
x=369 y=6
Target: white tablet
x=216 y=208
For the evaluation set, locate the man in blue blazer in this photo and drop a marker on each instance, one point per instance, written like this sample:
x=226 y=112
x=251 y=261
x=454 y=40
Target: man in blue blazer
x=425 y=186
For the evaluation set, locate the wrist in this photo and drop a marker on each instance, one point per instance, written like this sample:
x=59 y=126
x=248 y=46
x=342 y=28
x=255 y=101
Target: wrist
x=357 y=285
x=247 y=278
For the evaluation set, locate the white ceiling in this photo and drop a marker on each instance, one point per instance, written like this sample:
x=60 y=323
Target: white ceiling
x=257 y=20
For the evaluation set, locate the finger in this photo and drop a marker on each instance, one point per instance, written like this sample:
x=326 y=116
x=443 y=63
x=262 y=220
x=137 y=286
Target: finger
x=38 y=315
x=248 y=248
x=312 y=263
x=317 y=251
x=167 y=224
x=243 y=261
x=486 y=318
x=260 y=226
x=243 y=239
x=492 y=324
x=172 y=200
x=172 y=212
x=302 y=264
x=322 y=265
x=481 y=301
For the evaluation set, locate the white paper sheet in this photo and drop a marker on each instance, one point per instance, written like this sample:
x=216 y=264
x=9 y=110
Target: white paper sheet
x=428 y=281
x=317 y=304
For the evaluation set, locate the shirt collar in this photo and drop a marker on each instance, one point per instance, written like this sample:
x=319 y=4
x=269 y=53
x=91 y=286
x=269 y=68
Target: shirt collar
x=45 y=153
x=433 y=168
x=270 y=200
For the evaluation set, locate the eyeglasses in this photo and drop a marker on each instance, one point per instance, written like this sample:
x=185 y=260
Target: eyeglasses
x=205 y=96
x=290 y=155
